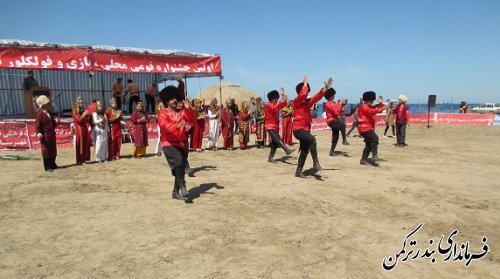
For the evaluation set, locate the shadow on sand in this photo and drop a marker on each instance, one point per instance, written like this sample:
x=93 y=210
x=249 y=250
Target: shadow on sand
x=196 y=192
x=194 y=170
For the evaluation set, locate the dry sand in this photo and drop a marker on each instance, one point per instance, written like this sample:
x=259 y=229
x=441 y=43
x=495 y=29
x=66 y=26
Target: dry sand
x=253 y=219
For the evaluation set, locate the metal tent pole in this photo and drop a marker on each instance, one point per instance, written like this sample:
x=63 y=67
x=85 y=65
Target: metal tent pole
x=221 y=77
x=102 y=90
x=185 y=86
x=91 y=74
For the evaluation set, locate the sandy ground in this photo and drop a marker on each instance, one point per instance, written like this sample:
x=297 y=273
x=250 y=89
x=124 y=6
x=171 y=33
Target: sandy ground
x=252 y=219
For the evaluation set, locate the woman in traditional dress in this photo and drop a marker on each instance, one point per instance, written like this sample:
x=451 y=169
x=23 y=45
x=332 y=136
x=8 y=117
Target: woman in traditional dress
x=286 y=124
x=260 y=131
x=140 y=134
x=114 y=116
x=244 y=118
x=46 y=131
x=199 y=126
x=101 y=130
x=82 y=138
x=227 y=126
x=213 y=116
x=159 y=107
x=389 y=121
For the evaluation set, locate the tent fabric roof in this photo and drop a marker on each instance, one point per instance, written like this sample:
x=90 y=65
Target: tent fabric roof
x=15 y=42
x=229 y=91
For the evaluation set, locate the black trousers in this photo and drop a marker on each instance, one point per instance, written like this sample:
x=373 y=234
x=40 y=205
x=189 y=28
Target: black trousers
x=371 y=143
x=342 y=130
x=354 y=126
x=336 y=127
x=276 y=141
x=401 y=133
x=176 y=157
x=387 y=128
x=133 y=99
x=306 y=140
x=150 y=103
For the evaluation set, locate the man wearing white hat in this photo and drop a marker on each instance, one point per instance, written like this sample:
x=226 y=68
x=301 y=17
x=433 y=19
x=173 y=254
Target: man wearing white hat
x=46 y=132
x=402 y=112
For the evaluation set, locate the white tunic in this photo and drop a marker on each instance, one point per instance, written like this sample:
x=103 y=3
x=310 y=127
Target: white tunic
x=213 y=135
x=101 y=130
x=158 y=144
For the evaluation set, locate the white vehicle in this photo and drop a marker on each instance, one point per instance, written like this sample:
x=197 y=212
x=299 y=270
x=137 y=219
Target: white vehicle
x=487 y=108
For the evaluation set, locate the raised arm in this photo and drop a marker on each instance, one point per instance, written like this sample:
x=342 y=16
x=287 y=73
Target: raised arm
x=302 y=94
x=321 y=93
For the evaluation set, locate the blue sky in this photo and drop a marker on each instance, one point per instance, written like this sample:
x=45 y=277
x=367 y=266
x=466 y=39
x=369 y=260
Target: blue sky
x=443 y=47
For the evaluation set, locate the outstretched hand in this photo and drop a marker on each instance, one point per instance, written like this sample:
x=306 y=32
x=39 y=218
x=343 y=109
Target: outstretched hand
x=187 y=103
x=380 y=99
x=328 y=83
x=306 y=80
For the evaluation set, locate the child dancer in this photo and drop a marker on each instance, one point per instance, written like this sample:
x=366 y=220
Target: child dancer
x=271 y=111
x=366 y=126
x=302 y=123
x=333 y=112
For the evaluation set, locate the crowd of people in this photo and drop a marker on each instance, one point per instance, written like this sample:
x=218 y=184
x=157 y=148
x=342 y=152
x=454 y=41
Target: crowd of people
x=181 y=125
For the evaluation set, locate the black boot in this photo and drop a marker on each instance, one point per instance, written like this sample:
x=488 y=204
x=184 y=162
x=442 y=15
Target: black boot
x=53 y=163
x=271 y=155
x=314 y=155
x=175 y=191
x=188 y=169
x=364 y=158
x=374 y=149
x=287 y=150
x=179 y=175
x=332 y=149
x=300 y=165
x=182 y=187
x=47 y=165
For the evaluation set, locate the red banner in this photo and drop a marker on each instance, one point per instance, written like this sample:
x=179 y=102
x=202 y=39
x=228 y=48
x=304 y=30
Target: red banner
x=465 y=118
x=14 y=136
x=82 y=59
x=422 y=118
x=63 y=135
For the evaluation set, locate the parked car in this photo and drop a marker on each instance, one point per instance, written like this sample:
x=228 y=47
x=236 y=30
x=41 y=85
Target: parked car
x=487 y=108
